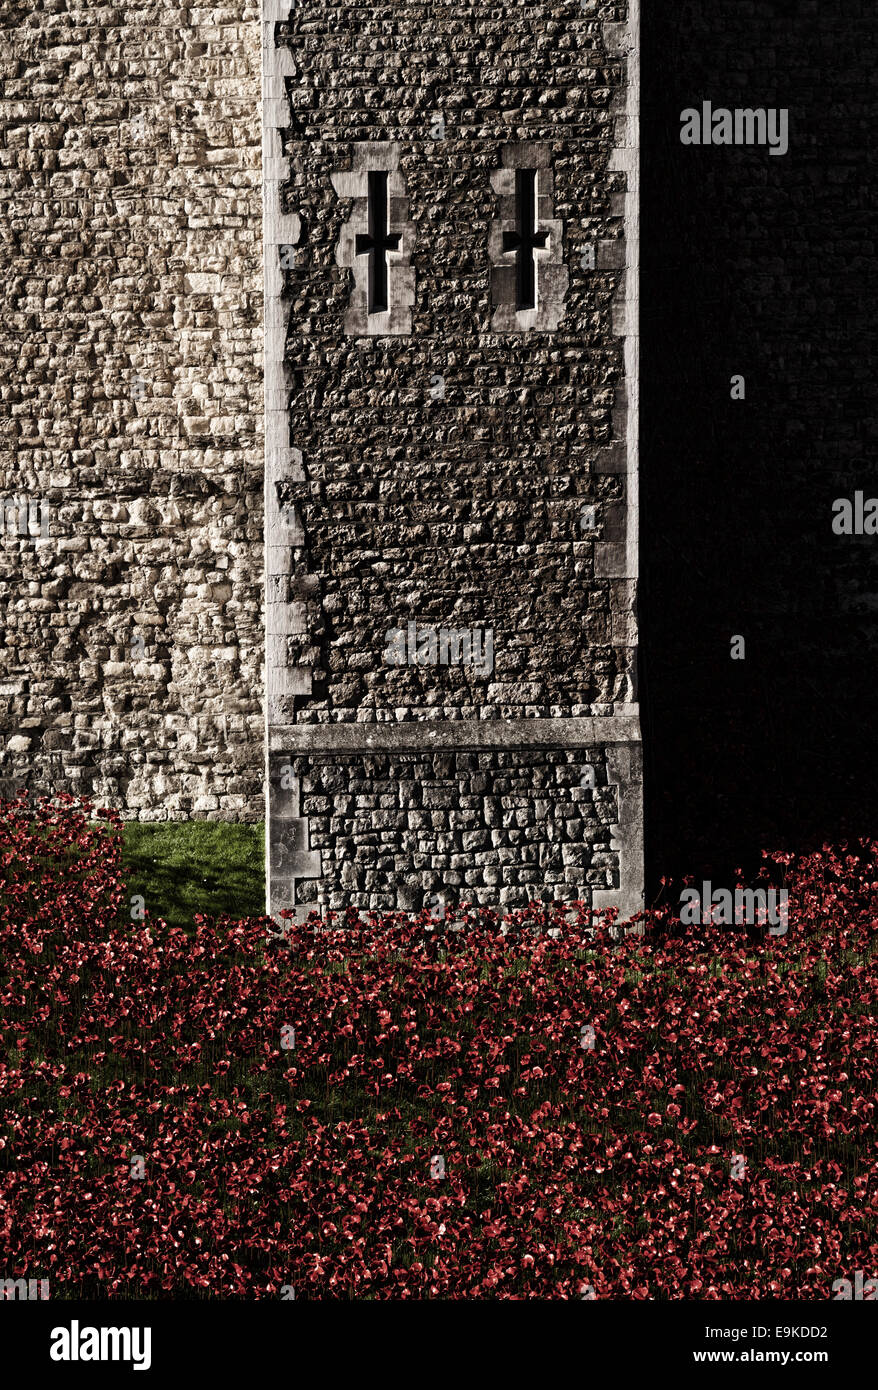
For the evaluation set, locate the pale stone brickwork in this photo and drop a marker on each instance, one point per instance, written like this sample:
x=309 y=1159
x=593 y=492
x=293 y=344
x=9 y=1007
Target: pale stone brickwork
x=131 y=384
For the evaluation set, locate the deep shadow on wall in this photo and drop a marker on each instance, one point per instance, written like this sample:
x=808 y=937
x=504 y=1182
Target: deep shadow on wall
x=762 y=266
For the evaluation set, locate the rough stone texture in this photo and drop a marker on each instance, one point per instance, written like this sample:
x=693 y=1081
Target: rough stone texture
x=130 y=234
x=444 y=471
x=466 y=509
x=473 y=473
x=399 y=830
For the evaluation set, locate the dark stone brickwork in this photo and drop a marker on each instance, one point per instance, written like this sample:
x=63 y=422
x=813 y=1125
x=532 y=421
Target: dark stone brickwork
x=398 y=830
x=464 y=508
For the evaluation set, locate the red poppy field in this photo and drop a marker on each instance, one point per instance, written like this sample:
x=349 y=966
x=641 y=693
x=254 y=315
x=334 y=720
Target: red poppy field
x=390 y=1108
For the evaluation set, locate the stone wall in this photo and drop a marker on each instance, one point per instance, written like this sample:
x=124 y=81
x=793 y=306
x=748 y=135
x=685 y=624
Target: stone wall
x=131 y=386
x=465 y=508
x=455 y=465
x=408 y=829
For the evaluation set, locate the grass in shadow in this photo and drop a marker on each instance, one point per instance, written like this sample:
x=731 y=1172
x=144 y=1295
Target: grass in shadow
x=184 y=867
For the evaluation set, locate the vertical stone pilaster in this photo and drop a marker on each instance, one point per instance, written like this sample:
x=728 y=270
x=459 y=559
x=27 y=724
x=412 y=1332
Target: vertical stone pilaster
x=617 y=554
x=287 y=855
x=625 y=772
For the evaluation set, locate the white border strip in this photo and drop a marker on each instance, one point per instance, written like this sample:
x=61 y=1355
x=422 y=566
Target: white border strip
x=624 y=40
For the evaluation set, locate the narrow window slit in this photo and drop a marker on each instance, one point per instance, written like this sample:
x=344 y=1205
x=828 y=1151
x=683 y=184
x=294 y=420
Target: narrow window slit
x=378 y=242
x=526 y=239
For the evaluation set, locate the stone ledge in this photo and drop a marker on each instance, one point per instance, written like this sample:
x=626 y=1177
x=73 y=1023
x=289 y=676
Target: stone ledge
x=462 y=735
